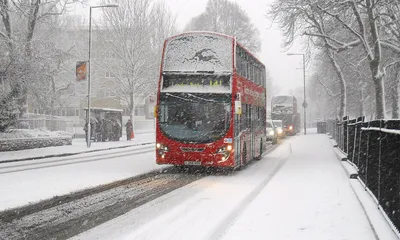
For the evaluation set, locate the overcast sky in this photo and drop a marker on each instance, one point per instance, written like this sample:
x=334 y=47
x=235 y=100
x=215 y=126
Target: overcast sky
x=283 y=69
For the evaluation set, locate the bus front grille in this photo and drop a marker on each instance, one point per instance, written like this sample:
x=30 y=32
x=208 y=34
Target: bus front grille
x=187 y=149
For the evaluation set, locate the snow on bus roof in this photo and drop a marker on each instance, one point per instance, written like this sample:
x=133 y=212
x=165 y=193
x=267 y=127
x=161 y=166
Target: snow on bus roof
x=194 y=89
x=198 y=51
x=201 y=73
x=217 y=34
x=105 y=109
x=199 y=32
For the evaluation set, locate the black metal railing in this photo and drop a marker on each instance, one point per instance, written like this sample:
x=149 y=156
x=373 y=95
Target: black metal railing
x=374 y=148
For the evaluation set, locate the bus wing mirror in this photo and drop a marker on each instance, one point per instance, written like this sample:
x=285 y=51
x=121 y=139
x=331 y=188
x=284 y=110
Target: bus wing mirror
x=238 y=107
x=238 y=97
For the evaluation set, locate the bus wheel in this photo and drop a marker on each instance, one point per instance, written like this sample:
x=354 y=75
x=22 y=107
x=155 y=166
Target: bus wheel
x=244 y=155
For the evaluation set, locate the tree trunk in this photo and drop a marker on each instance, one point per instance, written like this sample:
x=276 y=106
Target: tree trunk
x=33 y=15
x=374 y=57
x=395 y=103
x=132 y=109
x=362 y=103
x=342 y=84
x=53 y=88
x=379 y=91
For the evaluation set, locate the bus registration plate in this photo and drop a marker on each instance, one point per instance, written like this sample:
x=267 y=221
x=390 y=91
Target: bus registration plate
x=192 y=163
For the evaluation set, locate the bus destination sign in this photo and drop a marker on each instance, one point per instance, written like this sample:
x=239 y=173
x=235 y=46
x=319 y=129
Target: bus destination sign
x=196 y=81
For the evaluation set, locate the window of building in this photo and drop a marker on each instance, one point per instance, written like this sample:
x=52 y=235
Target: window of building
x=70 y=112
x=110 y=75
x=109 y=93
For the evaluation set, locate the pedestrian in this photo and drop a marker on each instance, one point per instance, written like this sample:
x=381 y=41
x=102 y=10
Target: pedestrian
x=103 y=130
x=129 y=129
x=109 y=130
x=85 y=128
x=116 y=130
x=98 y=130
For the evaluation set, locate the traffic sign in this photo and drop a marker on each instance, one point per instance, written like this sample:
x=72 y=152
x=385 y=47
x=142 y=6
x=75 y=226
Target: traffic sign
x=81 y=71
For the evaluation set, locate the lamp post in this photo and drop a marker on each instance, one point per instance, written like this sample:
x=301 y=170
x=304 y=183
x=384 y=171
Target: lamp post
x=304 y=82
x=88 y=132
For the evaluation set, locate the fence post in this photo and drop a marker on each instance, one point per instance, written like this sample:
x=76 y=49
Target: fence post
x=355 y=142
x=367 y=158
x=345 y=135
x=381 y=125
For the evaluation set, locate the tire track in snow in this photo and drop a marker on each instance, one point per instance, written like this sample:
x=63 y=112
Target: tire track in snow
x=230 y=219
x=70 y=161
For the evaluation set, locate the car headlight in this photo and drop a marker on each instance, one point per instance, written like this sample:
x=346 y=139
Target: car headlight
x=290 y=127
x=271 y=133
x=280 y=131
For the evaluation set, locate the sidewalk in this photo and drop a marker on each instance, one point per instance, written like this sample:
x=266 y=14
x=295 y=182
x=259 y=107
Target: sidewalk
x=78 y=146
x=309 y=198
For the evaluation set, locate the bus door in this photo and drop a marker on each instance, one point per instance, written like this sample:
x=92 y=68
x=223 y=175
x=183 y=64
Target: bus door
x=237 y=140
x=237 y=123
x=252 y=135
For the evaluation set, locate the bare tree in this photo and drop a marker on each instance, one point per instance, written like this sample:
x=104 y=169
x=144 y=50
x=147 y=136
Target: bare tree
x=229 y=18
x=134 y=33
x=19 y=23
x=341 y=25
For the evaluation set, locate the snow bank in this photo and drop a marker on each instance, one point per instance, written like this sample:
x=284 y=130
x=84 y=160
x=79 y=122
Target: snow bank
x=19 y=139
x=32 y=133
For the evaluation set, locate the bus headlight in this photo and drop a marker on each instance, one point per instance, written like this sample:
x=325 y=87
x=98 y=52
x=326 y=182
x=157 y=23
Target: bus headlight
x=225 y=151
x=161 y=148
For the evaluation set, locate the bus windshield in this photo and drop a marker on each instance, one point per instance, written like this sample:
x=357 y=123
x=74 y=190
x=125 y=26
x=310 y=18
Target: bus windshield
x=194 y=117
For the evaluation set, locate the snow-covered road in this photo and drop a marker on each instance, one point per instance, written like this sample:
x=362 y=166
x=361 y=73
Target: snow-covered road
x=299 y=191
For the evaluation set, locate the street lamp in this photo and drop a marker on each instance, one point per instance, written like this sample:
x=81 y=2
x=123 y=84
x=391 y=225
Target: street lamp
x=304 y=82
x=88 y=137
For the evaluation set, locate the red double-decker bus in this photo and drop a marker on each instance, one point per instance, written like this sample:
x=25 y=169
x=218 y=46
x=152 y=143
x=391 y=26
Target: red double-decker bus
x=211 y=107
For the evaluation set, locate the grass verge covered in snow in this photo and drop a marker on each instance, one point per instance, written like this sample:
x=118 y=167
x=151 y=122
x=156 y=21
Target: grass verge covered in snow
x=19 y=139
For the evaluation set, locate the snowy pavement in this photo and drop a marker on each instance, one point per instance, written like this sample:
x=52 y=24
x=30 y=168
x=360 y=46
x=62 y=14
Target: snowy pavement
x=299 y=191
x=78 y=145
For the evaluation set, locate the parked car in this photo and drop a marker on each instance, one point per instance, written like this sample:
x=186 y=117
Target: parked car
x=279 y=128
x=272 y=134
